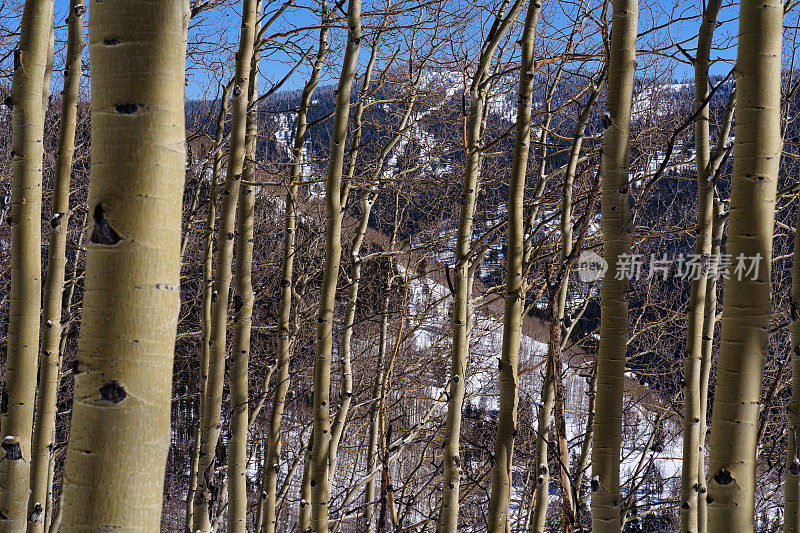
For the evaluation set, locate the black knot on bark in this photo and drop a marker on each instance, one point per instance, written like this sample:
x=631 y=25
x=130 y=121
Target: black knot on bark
x=11 y=447
x=126 y=109
x=103 y=233
x=55 y=221
x=723 y=477
x=794 y=468
x=111 y=42
x=36 y=514
x=113 y=392
x=238 y=303
x=685 y=506
x=80 y=10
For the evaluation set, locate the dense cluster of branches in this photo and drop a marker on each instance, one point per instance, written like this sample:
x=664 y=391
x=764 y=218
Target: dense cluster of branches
x=325 y=268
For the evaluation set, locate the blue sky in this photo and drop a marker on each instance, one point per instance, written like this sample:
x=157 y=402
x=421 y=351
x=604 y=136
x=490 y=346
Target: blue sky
x=217 y=33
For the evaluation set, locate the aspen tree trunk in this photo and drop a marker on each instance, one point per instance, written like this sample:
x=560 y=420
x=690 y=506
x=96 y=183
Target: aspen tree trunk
x=374 y=423
x=559 y=335
x=367 y=202
x=339 y=422
x=19 y=388
x=548 y=399
x=208 y=289
x=791 y=509
x=586 y=445
x=746 y=313
x=304 y=514
x=692 y=447
x=50 y=356
x=358 y=113
x=285 y=335
x=462 y=273
x=709 y=320
x=515 y=285
x=242 y=318
x=709 y=323
x=120 y=430
x=616 y=220
x=212 y=403
x=540 y=497
x=320 y=484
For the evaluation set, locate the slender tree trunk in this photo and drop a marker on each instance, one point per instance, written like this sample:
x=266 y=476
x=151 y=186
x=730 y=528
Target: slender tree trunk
x=50 y=356
x=242 y=318
x=339 y=422
x=791 y=510
x=540 y=497
x=208 y=289
x=120 y=430
x=374 y=414
x=367 y=201
x=616 y=220
x=562 y=446
x=212 y=403
x=586 y=448
x=515 y=285
x=304 y=514
x=285 y=335
x=709 y=320
x=320 y=483
x=462 y=272
x=709 y=323
x=692 y=448
x=548 y=398
x=746 y=308
x=19 y=389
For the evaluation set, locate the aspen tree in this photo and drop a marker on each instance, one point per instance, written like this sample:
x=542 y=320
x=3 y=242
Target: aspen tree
x=462 y=279
x=120 y=431
x=692 y=448
x=374 y=422
x=709 y=324
x=304 y=514
x=320 y=440
x=242 y=318
x=537 y=515
x=50 y=355
x=515 y=285
x=346 y=386
x=615 y=222
x=791 y=510
x=19 y=388
x=212 y=402
x=710 y=315
x=746 y=307
x=367 y=203
x=285 y=335
x=208 y=290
